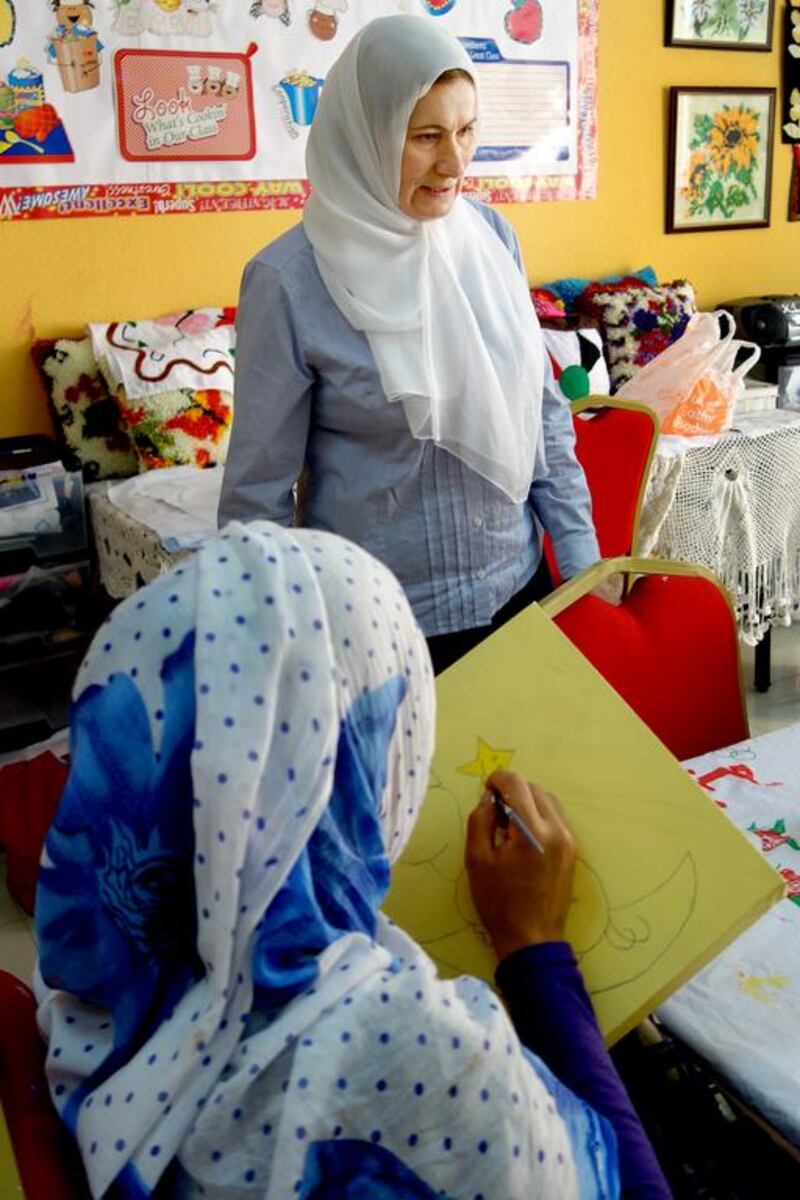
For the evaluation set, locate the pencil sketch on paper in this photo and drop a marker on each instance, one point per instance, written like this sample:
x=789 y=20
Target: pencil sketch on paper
x=616 y=938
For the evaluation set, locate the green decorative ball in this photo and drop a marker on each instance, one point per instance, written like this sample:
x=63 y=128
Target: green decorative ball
x=574 y=382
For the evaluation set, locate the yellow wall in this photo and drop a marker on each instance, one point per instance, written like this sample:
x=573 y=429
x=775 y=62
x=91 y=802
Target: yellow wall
x=59 y=274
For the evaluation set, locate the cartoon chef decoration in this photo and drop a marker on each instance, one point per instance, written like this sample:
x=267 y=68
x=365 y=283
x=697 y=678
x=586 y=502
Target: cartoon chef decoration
x=74 y=45
x=323 y=19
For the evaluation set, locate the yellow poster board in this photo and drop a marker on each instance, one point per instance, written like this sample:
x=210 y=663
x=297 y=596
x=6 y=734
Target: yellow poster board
x=664 y=879
x=10 y=1185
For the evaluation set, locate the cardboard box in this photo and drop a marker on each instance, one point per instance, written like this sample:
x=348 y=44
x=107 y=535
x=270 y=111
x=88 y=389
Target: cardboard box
x=78 y=62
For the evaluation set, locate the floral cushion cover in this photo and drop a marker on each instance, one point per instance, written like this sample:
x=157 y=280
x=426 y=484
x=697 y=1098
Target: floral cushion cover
x=173 y=379
x=107 y=433
x=638 y=323
x=90 y=431
x=569 y=289
x=185 y=427
x=548 y=305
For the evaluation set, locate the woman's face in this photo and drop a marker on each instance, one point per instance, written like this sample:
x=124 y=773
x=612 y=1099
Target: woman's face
x=440 y=142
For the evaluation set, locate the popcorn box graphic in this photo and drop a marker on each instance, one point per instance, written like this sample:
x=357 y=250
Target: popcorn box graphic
x=303 y=93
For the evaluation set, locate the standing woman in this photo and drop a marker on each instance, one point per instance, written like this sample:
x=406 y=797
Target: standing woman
x=389 y=347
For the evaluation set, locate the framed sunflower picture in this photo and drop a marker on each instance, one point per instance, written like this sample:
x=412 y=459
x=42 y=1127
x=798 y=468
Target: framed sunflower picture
x=720 y=24
x=720 y=158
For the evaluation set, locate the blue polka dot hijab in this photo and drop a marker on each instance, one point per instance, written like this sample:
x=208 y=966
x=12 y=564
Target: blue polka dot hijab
x=223 y=1000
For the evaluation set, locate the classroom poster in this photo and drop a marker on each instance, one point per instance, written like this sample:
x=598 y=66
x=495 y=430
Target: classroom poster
x=112 y=107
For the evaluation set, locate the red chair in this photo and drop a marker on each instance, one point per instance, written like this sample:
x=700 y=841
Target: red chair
x=47 y=1159
x=29 y=794
x=670 y=649
x=615 y=447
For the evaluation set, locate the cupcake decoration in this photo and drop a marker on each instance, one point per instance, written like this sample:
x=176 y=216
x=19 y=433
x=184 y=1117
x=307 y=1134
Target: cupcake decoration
x=27 y=85
x=323 y=20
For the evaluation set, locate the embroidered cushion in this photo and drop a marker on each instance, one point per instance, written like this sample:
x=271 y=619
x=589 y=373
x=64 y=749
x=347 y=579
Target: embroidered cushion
x=585 y=302
x=90 y=433
x=184 y=427
x=638 y=323
x=570 y=288
x=548 y=305
x=173 y=381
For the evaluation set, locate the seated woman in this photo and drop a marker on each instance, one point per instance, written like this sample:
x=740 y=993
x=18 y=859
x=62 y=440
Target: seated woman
x=228 y=1013
x=387 y=348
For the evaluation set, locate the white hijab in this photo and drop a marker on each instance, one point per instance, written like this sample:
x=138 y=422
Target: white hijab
x=443 y=304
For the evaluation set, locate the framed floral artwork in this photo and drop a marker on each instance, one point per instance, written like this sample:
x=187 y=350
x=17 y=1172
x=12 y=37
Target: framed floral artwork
x=790 y=117
x=720 y=24
x=720 y=158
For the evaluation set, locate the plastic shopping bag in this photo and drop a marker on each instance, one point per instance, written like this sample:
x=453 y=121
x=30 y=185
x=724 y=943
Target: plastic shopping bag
x=692 y=385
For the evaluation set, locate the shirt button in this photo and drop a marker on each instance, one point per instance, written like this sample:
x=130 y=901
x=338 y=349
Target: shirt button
x=477 y=522
x=480 y=573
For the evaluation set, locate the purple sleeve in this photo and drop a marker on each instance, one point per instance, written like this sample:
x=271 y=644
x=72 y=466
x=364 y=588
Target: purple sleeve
x=553 y=1016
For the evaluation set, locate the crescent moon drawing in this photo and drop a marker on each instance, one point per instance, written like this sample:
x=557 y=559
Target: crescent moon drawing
x=643 y=930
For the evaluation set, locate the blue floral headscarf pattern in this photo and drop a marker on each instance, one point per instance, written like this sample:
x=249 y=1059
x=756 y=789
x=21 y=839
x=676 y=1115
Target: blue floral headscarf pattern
x=251 y=740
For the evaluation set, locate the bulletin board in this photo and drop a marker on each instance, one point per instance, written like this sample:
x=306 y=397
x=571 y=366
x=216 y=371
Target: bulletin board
x=128 y=107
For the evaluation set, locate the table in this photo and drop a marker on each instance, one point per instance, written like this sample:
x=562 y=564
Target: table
x=740 y=1013
x=144 y=525
x=733 y=505
x=129 y=554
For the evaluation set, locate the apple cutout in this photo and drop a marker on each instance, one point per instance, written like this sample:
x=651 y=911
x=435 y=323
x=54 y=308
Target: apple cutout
x=524 y=22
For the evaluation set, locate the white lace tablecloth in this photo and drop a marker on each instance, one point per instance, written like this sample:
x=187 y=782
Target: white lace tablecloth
x=740 y=1012
x=143 y=525
x=733 y=505
x=129 y=554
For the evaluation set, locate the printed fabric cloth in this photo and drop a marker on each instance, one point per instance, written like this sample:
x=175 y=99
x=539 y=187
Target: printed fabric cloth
x=740 y=1012
x=178 y=503
x=251 y=738
x=193 y=349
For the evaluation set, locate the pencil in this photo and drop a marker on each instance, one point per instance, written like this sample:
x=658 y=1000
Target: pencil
x=510 y=815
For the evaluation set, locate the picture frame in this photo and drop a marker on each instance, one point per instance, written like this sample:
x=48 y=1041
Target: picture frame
x=720 y=24
x=790 y=109
x=719 y=168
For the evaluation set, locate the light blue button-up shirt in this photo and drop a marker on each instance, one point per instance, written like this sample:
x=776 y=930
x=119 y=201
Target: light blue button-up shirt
x=308 y=394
